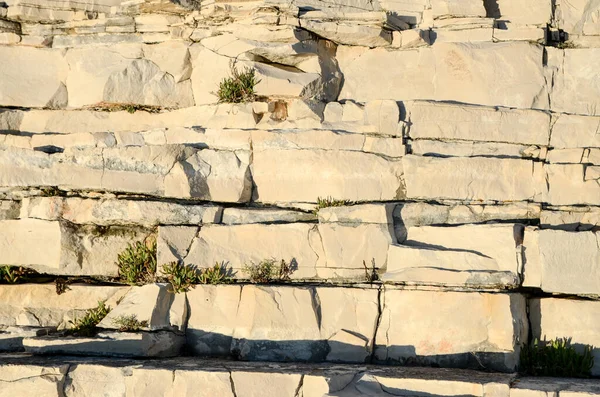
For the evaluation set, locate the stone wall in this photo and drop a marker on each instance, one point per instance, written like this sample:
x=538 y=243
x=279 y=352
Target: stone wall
x=462 y=138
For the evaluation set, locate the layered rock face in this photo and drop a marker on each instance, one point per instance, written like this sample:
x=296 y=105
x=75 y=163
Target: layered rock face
x=428 y=170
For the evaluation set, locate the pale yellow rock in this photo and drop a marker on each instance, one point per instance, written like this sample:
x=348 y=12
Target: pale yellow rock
x=150 y=382
x=472 y=178
x=21 y=380
x=444 y=8
x=18 y=236
x=23 y=83
x=173 y=243
x=213 y=383
x=302 y=175
x=252 y=384
x=535 y=12
x=212 y=319
x=578 y=17
x=574 y=131
x=435 y=120
x=565 y=156
x=39 y=305
x=355 y=214
x=565 y=318
x=298 y=244
x=456 y=323
x=569 y=185
x=88 y=379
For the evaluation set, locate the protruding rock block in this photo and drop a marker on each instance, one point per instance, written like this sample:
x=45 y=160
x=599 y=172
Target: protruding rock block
x=448 y=328
x=565 y=318
x=473 y=179
x=572 y=184
x=451 y=256
x=562 y=262
x=40 y=306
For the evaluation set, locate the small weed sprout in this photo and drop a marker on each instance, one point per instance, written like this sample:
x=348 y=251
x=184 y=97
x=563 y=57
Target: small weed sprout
x=556 y=358
x=86 y=326
x=330 y=202
x=268 y=270
x=128 y=107
x=218 y=274
x=181 y=277
x=239 y=88
x=129 y=323
x=371 y=274
x=137 y=264
x=13 y=275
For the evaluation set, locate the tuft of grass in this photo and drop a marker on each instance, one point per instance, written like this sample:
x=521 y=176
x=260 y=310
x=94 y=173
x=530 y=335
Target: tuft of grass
x=86 y=326
x=371 y=274
x=239 y=88
x=137 y=264
x=566 y=44
x=129 y=323
x=556 y=358
x=14 y=274
x=181 y=277
x=218 y=274
x=330 y=202
x=268 y=270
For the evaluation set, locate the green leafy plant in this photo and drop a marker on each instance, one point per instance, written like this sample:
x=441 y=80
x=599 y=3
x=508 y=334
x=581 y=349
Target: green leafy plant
x=330 y=202
x=86 y=326
x=268 y=270
x=182 y=277
x=218 y=274
x=239 y=87
x=13 y=274
x=371 y=274
x=556 y=358
x=129 y=323
x=137 y=264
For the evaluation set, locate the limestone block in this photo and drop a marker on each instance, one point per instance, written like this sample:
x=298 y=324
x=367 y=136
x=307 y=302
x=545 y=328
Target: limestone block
x=212 y=319
x=358 y=214
x=434 y=120
x=23 y=83
x=564 y=318
x=305 y=175
x=86 y=81
x=9 y=209
x=94 y=41
x=173 y=243
x=450 y=256
x=384 y=115
x=214 y=383
x=578 y=17
x=454 y=8
x=155 y=22
x=567 y=261
x=306 y=139
x=576 y=87
x=573 y=131
x=152 y=382
x=38 y=304
x=85 y=379
x=108 y=212
x=411 y=38
x=571 y=184
x=349 y=33
x=20 y=380
x=425 y=147
x=513 y=32
x=64 y=248
x=275 y=81
x=211 y=175
x=297 y=243
x=305 y=324
x=252 y=384
x=456 y=324
x=111 y=344
x=462 y=35
x=152 y=303
x=552 y=387
x=571 y=218
x=348 y=248
x=143 y=82
x=471 y=178
x=536 y=12
x=240 y=216
x=424 y=74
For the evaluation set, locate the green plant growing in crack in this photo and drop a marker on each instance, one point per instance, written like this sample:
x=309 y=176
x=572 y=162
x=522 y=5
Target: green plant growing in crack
x=137 y=263
x=182 y=277
x=556 y=358
x=240 y=87
x=15 y=274
x=86 y=325
x=218 y=274
x=129 y=323
x=329 y=202
x=268 y=270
